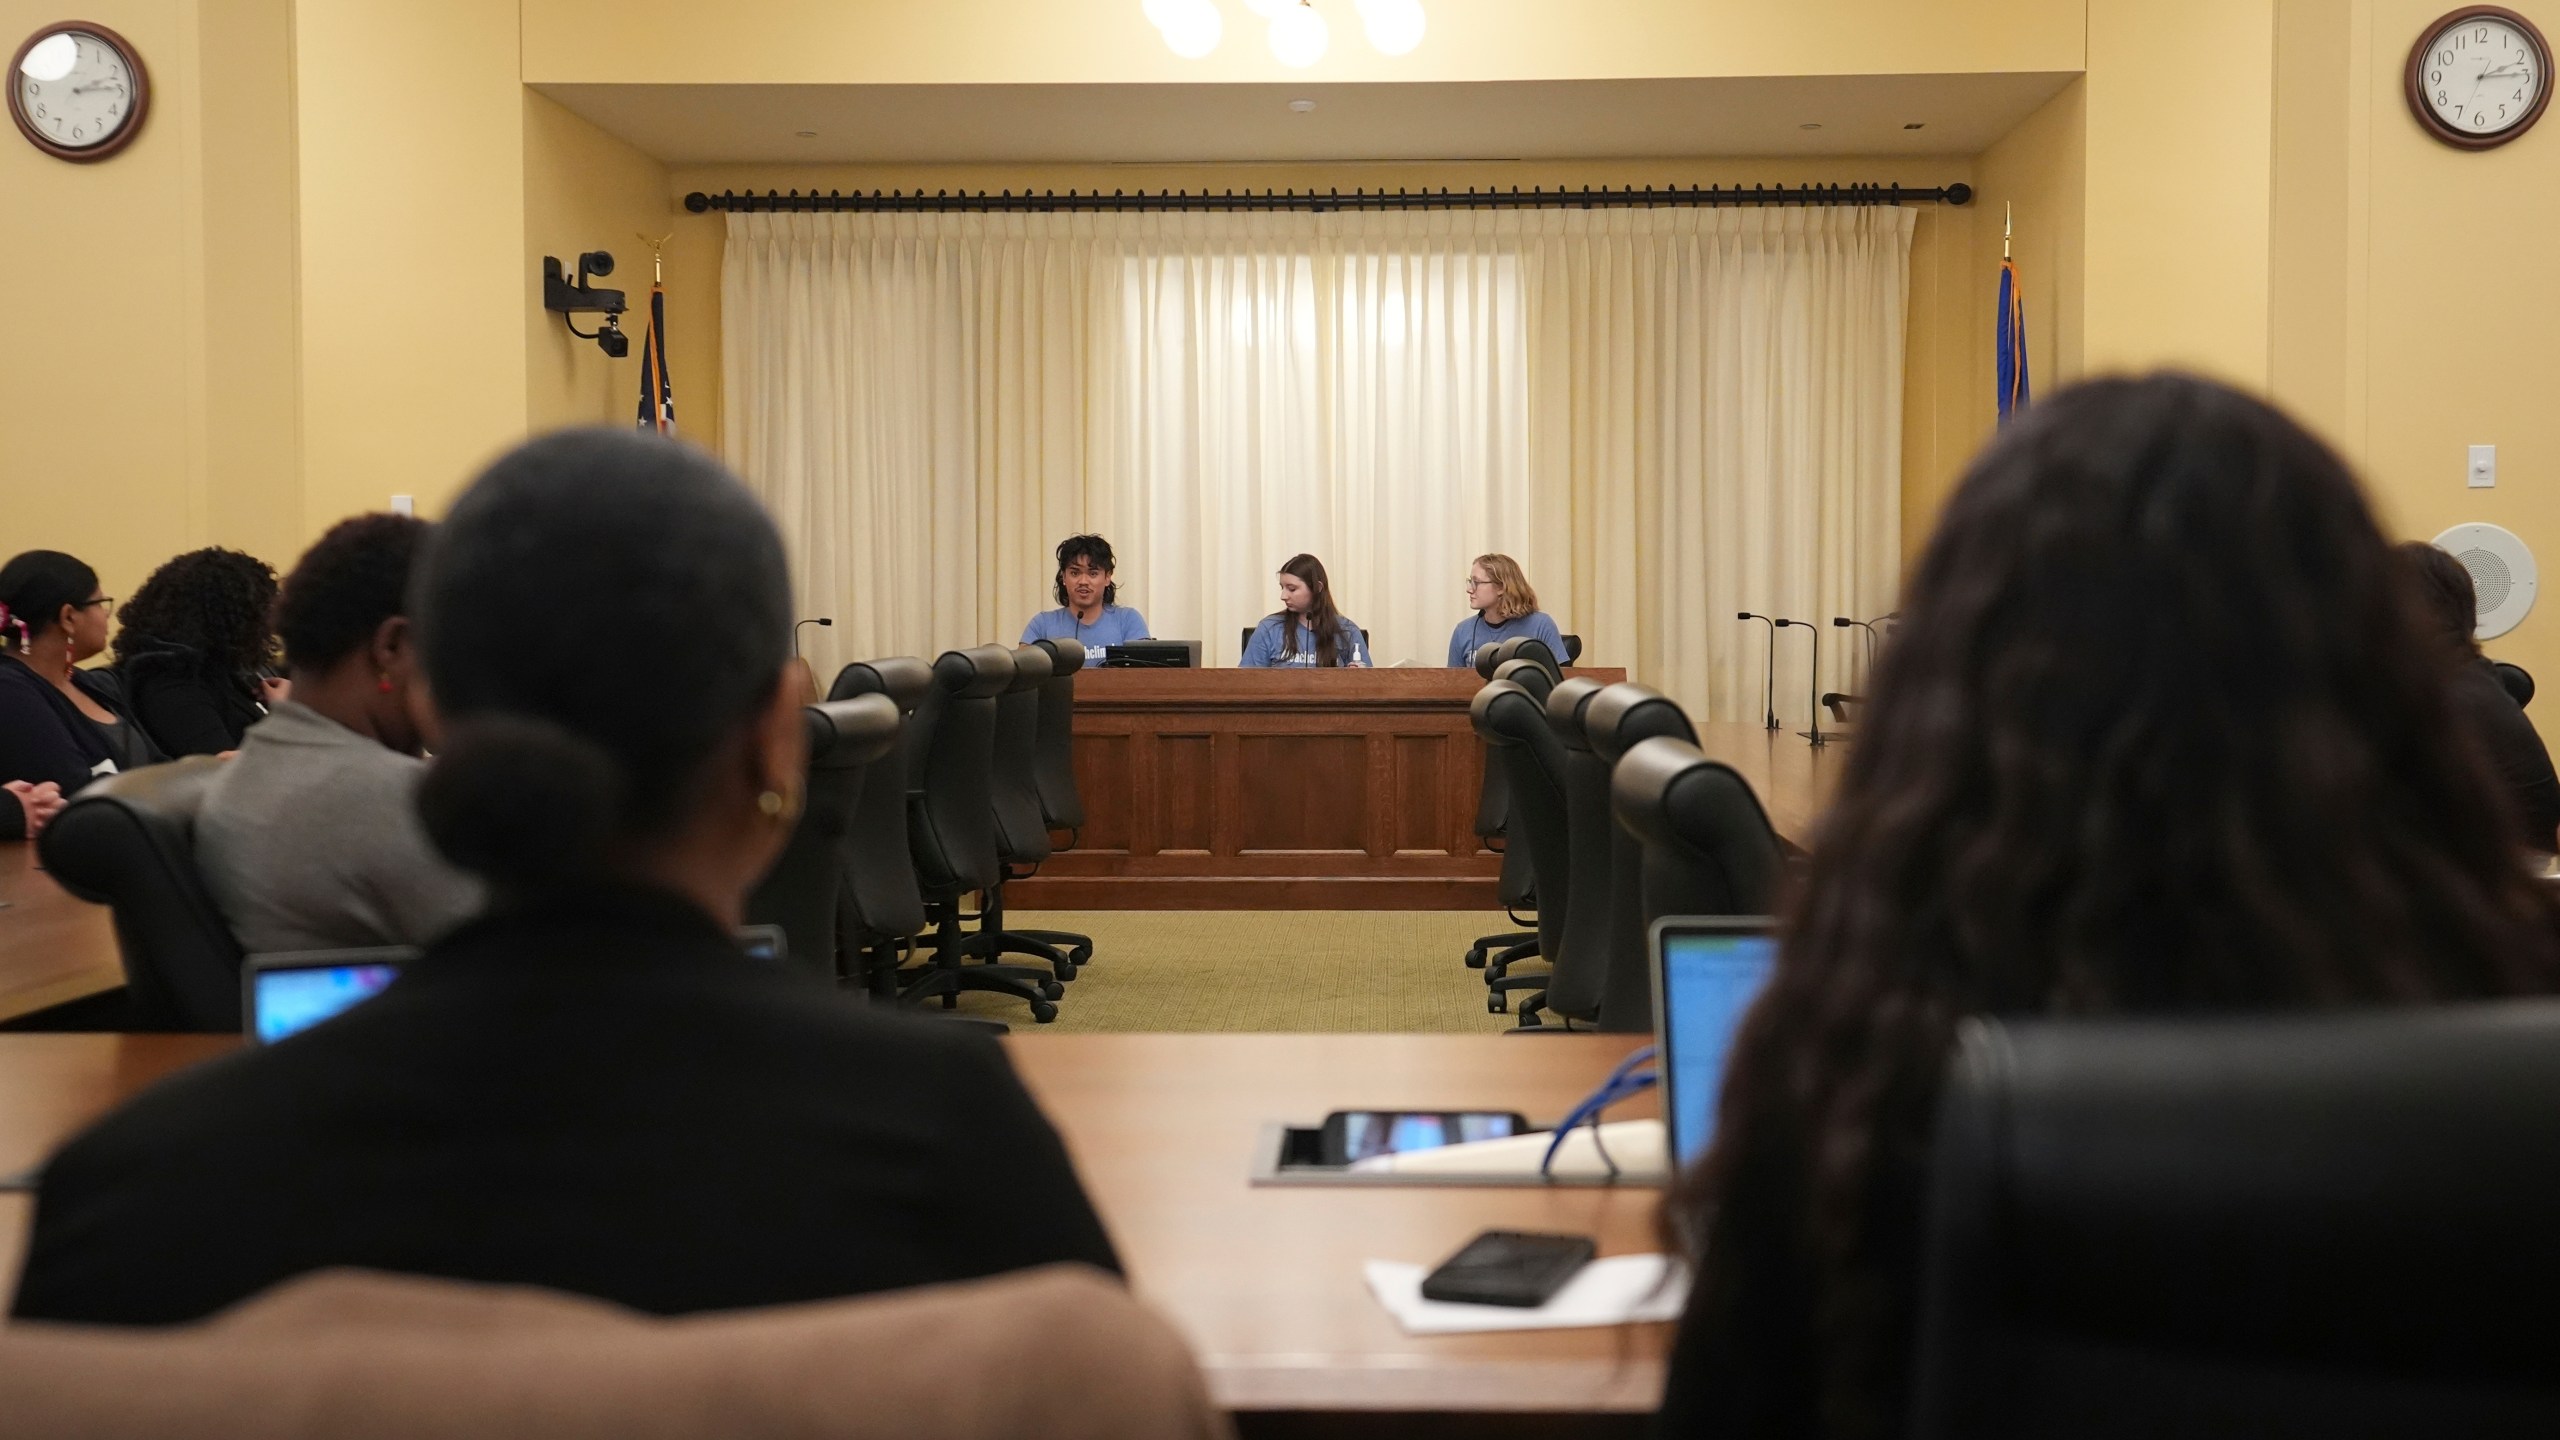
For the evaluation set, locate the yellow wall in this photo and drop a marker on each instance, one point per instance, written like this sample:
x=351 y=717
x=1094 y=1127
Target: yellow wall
x=1110 y=41
x=413 y=330
x=585 y=190
x=145 y=361
x=1940 y=428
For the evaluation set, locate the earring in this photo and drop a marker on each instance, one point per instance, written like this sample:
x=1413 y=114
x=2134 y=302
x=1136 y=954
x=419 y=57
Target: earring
x=383 y=684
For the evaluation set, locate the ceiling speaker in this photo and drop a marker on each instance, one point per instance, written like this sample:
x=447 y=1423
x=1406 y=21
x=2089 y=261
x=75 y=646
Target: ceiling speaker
x=2502 y=572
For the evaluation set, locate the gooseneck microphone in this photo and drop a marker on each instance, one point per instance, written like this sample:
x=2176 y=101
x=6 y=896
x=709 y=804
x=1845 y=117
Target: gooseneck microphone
x=1812 y=680
x=827 y=620
x=1843 y=622
x=1769 y=701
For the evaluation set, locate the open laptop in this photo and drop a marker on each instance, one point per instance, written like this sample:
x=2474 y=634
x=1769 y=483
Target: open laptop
x=1706 y=973
x=292 y=990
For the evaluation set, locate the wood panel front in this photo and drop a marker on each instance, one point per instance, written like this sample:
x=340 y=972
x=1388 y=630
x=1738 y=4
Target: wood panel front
x=1274 y=789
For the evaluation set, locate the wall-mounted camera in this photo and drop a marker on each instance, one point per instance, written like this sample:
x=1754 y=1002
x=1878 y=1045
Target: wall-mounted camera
x=581 y=298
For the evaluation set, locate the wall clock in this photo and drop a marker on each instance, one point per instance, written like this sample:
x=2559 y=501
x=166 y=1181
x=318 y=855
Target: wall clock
x=78 y=91
x=2479 y=76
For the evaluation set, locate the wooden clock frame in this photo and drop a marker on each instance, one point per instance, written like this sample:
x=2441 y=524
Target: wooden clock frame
x=105 y=149
x=2414 y=87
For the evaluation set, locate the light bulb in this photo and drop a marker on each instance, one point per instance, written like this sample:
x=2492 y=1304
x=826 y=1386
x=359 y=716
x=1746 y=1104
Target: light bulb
x=1266 y=8
x=1297 y=36
x=1394 y=26
x=1160 y=12
x=1193 y=28
x=52 y=58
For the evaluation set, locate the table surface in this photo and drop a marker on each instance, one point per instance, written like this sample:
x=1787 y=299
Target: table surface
x=1265 y=1282
x=53 y=947
x=1793 y=777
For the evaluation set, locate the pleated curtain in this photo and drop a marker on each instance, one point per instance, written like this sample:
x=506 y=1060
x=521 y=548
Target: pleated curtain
x=1666 y=415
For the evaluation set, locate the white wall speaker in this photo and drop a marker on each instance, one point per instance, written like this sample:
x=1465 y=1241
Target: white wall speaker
x=2502 y=571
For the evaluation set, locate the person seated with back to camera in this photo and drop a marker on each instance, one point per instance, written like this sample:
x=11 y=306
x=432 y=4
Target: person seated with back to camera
x=2160 y=733
x=60 y=726
x=591 y=1087
x=1306 y=630
x=196 y=652
x=2490 y=714
x=309 y=839
x=1089 y=611
x=1504 y=606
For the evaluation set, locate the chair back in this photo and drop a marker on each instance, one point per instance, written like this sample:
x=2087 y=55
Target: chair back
x=951 y=752
x=1572 y=648
x=878 y=899
x=1580 y=970
x=128 y=842
x=2310 y=1226
x=1512 y=721
x=1618 y=718
x=1054 y=758
x=144 y=671
x=2517 y=679
x=1022 y=828
x=1529 y=673
x=802 y=891
x=1708 y=846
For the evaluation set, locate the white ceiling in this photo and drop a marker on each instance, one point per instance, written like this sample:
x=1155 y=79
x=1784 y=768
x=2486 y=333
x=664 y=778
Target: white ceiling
x=1526 y=120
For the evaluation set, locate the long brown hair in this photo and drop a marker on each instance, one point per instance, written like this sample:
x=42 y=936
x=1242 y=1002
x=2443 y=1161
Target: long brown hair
x=2163 y=730
x=1320 y=617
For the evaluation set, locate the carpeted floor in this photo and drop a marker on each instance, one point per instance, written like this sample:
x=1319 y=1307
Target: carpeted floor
x=1306 y=970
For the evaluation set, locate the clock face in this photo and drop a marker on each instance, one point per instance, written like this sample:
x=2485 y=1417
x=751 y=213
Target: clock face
x=77 y=92
x=2480 y=77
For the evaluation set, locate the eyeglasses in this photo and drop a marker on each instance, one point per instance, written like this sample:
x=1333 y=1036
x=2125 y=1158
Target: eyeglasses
x=1475 y=584
x=109 y=601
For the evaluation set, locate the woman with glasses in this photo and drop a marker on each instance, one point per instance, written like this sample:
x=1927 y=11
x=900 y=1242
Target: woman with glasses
x=1504 y=607
x=60 y=725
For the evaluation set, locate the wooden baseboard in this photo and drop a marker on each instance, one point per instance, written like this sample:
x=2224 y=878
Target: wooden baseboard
x=1117 y=892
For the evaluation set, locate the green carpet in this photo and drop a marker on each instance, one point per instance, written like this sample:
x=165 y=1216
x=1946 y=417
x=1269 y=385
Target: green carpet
x=1299 y=970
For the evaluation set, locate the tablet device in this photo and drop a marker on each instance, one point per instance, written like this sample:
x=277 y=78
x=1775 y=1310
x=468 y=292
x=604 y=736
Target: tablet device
x=295 y=990
x=1706 y=973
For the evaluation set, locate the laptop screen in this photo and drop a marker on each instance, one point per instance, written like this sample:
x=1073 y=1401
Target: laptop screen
x=1708 y=978
x=295 y=992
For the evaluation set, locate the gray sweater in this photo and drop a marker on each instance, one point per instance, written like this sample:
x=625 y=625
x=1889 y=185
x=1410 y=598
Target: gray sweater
x=309 y=840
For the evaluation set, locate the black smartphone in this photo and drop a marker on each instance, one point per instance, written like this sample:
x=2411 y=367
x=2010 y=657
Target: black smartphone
x=1508 y=1267
x=1359 y=1134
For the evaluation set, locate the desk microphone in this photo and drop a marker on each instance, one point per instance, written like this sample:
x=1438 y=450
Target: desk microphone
x=1843 y=622
x=1770 y=699
x=1812 y=679
x=827 y=620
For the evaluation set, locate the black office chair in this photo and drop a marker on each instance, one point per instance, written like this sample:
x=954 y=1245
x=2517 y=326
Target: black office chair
x=880 y=910
x=1572 y=648
x=1493 y=803
x=1618 y=719
x=803 y=891
x=2334 y=1226
x=128 y=842
x=1577 y=974
x=1708 y=849
x=951 y=830
x=1022 y=824
x=1518 y=885
x=1512 y=720
x=2517 y=679
x=1061 y=803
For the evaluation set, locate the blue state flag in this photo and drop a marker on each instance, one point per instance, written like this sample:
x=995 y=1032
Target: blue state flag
x=2011 y=341
x=657 y=392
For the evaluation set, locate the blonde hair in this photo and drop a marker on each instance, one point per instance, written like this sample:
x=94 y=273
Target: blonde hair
x=1517 y=598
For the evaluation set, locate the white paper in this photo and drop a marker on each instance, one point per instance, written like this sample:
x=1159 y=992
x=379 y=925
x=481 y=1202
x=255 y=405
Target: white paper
x=1615 y=1291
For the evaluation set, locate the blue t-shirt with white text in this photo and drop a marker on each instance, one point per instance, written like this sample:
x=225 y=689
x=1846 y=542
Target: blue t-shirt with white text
x=1263 y=650
x=1116 y=625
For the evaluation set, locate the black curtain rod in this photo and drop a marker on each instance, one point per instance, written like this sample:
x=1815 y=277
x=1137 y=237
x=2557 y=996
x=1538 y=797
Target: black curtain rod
x=1515 y=198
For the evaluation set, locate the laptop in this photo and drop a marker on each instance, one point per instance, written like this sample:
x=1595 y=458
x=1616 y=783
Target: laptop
x=1154 y=655
x=1706 y=973
x=286 y=991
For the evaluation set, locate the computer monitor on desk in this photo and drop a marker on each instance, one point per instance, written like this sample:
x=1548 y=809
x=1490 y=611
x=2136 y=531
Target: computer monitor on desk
x=1706 y=973
x=1154 y=655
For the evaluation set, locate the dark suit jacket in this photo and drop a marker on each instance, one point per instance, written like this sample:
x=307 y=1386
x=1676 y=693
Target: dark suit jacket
x=596 y=1093
x=187 y=710
x=43 y=736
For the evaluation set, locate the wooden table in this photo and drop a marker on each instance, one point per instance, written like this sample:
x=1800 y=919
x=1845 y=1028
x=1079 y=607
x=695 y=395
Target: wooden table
x=1793 y=777
x=1266 y=1283
x=53 y=947
x=1275 y=789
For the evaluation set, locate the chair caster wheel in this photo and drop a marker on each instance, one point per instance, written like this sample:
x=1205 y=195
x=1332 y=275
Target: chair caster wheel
x=1051 y=990
x=1065 y=973
x=1495 y=1005
x=1081 y=956
x=1043 y=1011
x=950 y=1002
x=1476 y=958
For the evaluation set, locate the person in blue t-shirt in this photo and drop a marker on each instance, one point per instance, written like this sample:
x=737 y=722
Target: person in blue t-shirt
x=1504 y=606
x=1085 y=592
x=1306 y=629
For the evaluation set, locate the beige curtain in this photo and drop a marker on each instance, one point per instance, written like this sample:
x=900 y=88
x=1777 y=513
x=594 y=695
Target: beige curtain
x=1667 y=415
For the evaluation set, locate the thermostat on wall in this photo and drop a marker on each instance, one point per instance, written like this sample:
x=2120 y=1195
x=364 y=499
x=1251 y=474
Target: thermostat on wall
x=2502 y=572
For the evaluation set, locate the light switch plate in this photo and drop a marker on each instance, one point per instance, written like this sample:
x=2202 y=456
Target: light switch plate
x=408 y=504
x=2482 y=473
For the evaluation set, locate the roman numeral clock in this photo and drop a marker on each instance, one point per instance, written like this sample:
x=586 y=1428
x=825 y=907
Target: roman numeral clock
x=2478 y=77
x=78 y=91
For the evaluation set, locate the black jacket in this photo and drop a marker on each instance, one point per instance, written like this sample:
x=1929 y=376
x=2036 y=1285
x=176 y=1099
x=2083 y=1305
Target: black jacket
x=43 y=736
x=598 y=1094
x=2514 y=748
x=187 y=710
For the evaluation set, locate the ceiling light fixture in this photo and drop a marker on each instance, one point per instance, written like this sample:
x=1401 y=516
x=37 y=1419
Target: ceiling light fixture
x=1302 y=107
x=1299 y=34
x=1192 y=28
x=1394 y=26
